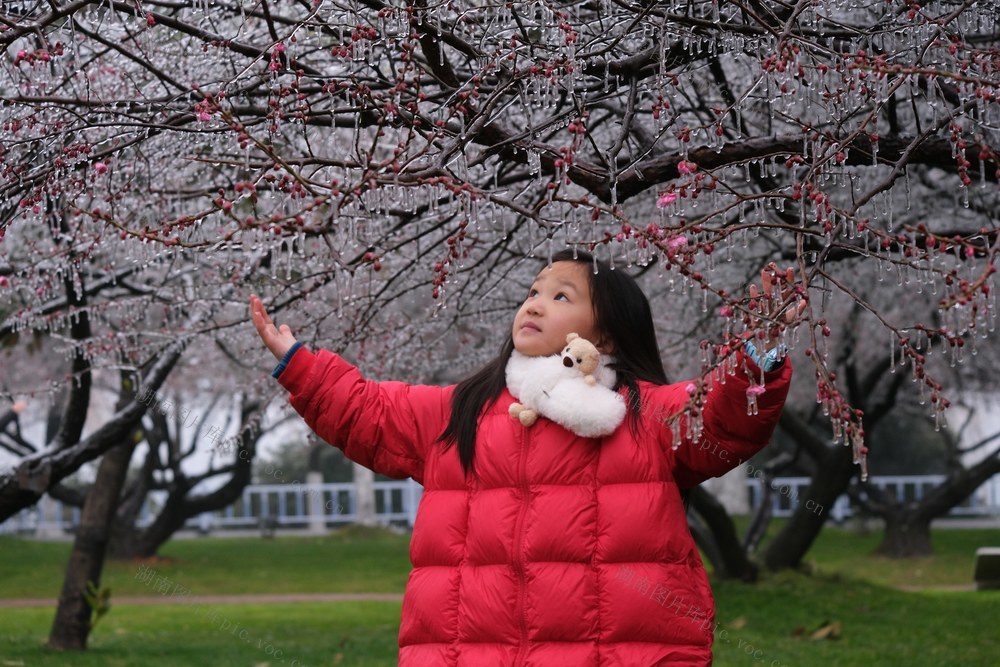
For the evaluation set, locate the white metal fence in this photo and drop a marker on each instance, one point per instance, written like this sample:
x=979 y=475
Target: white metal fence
x=787 y=493
x=266 y=506
x=318 y=506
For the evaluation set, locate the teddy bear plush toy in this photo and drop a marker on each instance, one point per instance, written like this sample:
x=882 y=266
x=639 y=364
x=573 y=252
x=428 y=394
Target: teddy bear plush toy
x=572 y=388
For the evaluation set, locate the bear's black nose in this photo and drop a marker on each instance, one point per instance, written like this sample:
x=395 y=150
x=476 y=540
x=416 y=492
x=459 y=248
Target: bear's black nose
x=568 y=362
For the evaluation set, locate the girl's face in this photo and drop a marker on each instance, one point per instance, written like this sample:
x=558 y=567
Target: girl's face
x=558 y=303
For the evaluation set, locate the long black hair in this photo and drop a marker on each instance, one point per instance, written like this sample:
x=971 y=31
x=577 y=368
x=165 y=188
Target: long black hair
x=622 y=316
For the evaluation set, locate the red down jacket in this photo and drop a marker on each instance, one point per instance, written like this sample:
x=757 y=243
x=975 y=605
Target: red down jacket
x=565 y=551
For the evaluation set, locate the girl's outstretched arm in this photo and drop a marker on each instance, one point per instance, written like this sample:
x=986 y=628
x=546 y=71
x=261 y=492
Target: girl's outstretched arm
x=729 y=435
x=738 y=416
x=385 y=426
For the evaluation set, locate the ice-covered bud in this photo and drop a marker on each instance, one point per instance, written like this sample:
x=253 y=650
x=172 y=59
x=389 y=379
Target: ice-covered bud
x=753 y=391
x=677 y=242
x=666 y=199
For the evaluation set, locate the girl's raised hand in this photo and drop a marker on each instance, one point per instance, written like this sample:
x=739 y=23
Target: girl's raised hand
x=277 y=339
x=773 y=304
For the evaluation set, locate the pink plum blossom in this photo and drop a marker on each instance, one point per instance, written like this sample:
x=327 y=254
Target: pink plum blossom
x=677 y=242
x=666 y=198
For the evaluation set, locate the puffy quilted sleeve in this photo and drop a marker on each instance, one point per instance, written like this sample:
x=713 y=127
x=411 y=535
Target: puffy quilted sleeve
x=729 y=435
x=385 y=426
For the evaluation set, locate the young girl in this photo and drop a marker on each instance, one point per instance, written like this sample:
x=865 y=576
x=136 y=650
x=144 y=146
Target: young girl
x=534 y=546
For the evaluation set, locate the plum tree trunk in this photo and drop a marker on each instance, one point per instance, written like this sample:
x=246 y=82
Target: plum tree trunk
x=905 y=537
x=908 y=525
x=790 y=545
x=730 y=559
x=129 y=542
x=71 y=626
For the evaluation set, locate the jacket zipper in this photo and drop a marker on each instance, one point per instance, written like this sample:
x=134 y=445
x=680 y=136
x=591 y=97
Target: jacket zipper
x=519 y=547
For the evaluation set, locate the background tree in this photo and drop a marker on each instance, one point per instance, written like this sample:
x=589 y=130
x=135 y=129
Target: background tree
x=76 y=608
x=904 y=440
x=167 y=467
x=101 y=318
x=908 y=520
x=169 y=440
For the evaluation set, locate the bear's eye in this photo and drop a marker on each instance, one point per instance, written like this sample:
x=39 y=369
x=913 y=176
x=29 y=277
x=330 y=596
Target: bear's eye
x=579 y=360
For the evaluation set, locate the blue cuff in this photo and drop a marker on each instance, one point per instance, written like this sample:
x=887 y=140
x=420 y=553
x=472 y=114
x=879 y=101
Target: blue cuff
x=285 y=360
x=770 y=361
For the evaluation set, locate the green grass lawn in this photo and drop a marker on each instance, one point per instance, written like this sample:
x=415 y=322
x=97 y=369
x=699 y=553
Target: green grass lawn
x=768 y=623
x=953 y=562
x=355 y=560
x=377 y=561
x=880 y=626
x=849 y=550
x=355 y=634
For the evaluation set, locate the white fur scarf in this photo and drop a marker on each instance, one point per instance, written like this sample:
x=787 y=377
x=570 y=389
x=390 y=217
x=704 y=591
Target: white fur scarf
x=545 y=385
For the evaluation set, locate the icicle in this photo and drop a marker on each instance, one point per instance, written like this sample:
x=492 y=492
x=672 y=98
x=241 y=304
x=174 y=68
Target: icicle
x=892 y=352
x=753 y=391
x=675 y=433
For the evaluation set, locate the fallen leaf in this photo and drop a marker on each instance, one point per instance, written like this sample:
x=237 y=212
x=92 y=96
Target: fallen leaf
x=829 y=630
x=737 y=623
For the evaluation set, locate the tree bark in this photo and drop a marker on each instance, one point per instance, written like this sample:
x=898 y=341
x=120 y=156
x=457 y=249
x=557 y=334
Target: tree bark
x=146 y=543
x=705 y=541
x=71 y=626
x=908 y=527
x=25 y=484
x=905 y=536
x=131 y=542
x=124 y=533
x=790 y=545
x=77 y=405
x=734 y=563
x=761 y=519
